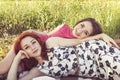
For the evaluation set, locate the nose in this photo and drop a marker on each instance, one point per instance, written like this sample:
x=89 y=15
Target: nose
x=32 y=47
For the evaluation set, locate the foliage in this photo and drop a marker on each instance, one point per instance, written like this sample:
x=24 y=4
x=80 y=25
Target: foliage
x=5 y=45
x=17 y=16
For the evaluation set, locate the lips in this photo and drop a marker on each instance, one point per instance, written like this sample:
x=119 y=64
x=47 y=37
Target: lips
x=35 y=50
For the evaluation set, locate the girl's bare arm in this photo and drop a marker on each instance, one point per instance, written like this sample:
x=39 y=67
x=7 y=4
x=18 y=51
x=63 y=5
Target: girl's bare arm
x=7 y=61
x=57 y=41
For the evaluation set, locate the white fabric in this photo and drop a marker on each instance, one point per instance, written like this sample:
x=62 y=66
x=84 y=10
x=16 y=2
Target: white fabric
x=44 y=78
x=50 y=78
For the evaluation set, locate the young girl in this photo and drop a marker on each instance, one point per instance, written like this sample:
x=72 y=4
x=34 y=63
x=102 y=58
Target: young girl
x=89 y=59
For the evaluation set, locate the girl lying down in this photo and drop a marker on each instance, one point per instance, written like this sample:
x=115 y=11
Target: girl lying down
x=91 y=59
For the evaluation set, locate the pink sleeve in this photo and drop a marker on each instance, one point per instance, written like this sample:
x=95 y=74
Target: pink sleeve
x=65 y=32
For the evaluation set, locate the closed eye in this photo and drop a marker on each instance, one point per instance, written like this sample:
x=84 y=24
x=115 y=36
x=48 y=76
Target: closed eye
x=26 y=47
x=33 y=42
x=86 y=33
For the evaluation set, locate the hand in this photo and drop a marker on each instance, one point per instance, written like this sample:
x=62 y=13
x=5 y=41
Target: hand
x=21 y=55
x=109 y=40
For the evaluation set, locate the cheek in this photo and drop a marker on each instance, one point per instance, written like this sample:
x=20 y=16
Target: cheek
x=74 y=30
x=90 y=30
x=28 y=51
x=83 y=36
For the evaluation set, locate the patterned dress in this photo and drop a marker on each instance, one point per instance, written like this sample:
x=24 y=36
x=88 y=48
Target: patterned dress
x=92 y=58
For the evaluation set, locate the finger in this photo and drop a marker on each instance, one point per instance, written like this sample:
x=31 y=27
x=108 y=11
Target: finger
x=108 y=43
x=25 y=54
x=116 y=45
x=23 y=57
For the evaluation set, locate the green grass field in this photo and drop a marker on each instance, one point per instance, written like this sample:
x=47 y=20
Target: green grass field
x=17 y=16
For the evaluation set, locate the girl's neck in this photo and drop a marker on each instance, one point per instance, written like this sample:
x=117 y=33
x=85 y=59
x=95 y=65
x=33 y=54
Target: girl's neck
x=39 y=59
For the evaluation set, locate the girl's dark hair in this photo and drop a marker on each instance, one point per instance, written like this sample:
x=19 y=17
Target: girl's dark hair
x=32 y=62
x=97 y=29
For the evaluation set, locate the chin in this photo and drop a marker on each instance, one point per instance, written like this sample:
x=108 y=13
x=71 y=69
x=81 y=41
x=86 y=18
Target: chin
x=79 y=37
x=36 y=56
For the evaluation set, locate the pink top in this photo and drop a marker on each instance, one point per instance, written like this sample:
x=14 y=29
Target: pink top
x=65 y=32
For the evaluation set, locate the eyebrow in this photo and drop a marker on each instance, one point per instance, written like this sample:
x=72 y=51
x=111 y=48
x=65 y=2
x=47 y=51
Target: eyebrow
x=32 y=40
x=26 y=44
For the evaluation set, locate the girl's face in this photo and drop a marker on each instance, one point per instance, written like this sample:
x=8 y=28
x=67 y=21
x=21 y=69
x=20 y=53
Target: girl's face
x=31 y=46
x=83 y=29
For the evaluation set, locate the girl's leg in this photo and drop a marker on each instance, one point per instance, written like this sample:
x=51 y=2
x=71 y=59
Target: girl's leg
x=107 y=59
x=99 y=60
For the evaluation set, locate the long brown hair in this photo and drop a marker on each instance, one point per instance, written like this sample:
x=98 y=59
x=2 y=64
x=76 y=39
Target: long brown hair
x=32 y=62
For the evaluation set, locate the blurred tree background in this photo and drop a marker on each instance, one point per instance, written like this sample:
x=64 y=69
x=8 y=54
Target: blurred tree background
x=44 y=15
